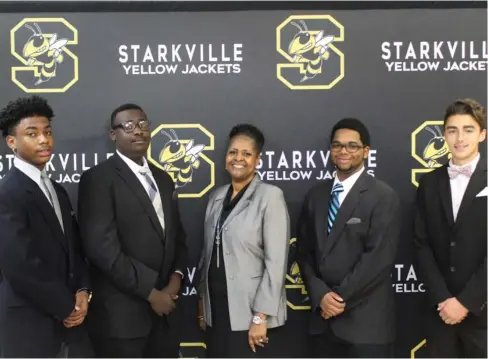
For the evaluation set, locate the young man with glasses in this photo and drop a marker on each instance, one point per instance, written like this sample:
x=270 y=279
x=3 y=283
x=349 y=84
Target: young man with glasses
x=133 y=237
x=347 y=237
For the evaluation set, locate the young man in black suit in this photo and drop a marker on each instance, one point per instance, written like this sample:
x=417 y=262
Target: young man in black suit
x=450 y=237
x=45 y=289
x=347 y=238
x=133 y=237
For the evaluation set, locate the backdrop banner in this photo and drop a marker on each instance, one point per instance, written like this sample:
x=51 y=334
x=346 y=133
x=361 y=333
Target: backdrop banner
x=197 y=74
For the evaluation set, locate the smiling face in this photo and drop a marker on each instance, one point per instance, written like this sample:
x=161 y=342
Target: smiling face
x=348 y=152
x=32 y=140
x=242 y=158
x=463 y=135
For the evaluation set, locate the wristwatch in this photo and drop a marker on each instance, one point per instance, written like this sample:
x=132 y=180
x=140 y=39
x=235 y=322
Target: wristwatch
x=257 y=320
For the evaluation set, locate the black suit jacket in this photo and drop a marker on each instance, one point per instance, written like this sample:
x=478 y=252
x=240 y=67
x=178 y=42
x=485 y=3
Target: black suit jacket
x=126 y=246
x=354 y=260
x=452 y=255
x=42 y=267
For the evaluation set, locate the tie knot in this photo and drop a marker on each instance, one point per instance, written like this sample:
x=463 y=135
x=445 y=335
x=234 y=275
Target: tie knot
x=44 y=175
x=338 y=187
x=144 y=171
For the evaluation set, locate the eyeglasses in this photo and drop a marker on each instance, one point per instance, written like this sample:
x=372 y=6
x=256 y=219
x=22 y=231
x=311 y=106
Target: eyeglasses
x=350 y=147
x=130 y=126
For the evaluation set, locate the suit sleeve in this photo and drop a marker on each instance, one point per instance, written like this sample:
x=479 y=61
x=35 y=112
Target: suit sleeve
x=276 y=235
x=437 y=288
x=181 y=252
x=101 y=243
x=23 y=269
x=306 y=257
x=80 y=262
x=379 y=253
x=473 y=296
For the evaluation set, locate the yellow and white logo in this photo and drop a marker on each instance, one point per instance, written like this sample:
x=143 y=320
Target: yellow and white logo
x=296 y=297
x=307 y=43
x=42 y=46
x=429 y=148
x=182 y=155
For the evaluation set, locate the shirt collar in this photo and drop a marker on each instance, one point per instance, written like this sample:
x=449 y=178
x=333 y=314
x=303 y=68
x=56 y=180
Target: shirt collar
x=28 y=169
x=472 y=165
x=349 y=181
x=132 y=165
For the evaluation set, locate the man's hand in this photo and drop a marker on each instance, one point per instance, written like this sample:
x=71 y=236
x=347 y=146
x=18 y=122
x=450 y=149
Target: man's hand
x=452 y=311
x=331 y=305
x=78 y=315
x=162 y=302
x=174 y=285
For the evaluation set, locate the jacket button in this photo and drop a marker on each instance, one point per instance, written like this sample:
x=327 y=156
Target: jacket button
x=71 y=274
x=226 y=229
x=231 y=277
x=227 y=253
x=453 y=243
x=453 y=269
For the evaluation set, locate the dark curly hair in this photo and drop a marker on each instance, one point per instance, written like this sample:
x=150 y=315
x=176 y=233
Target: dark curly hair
x=21 y=108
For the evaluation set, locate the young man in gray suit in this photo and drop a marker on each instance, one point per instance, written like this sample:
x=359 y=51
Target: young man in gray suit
x=347 y=239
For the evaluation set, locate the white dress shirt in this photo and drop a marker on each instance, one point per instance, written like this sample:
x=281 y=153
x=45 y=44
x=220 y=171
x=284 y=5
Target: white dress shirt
x=136 y=169
x=459 y=185
x=347 y=184
x=32 y=172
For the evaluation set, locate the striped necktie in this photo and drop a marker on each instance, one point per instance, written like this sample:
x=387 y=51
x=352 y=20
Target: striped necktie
x=334 y=205
x=152 y=192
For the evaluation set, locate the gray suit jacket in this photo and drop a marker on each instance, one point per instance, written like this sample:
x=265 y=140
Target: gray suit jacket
x=255 y=244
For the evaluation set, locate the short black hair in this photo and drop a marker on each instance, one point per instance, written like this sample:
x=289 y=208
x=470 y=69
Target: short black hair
x=355 y=125
x=23 y=107
x=249 y=131
x=121 y=108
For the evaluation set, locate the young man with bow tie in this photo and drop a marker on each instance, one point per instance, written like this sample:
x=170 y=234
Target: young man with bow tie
x=450 y=238
x=347 y=239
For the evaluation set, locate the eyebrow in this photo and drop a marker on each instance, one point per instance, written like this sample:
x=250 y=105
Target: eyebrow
x=455 y=128
x=36 y=128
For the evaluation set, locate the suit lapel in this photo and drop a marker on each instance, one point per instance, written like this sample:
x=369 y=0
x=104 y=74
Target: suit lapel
x=345 y=210
x=67 y=223
x=244 y=202
x=445 y=195
x=137 y=188
x=44 y=206
x=321 y=213
x=475 y=185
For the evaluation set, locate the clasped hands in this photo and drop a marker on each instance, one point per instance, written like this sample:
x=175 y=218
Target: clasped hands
x=80 y=311
x=163 y=301
x=331 y=305
x=452 y=311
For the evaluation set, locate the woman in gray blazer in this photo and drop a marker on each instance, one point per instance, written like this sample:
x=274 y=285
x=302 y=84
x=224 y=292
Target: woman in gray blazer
x=243 y=266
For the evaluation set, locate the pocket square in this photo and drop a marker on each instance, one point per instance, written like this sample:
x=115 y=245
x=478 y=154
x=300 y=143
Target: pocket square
x=483 y=193
x=354 y=220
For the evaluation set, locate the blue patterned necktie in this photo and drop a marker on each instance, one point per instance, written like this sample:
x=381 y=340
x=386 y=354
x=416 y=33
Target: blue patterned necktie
x=334 y=205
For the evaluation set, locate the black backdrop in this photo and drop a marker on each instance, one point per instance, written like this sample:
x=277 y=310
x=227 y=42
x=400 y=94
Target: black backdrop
x=200 y=68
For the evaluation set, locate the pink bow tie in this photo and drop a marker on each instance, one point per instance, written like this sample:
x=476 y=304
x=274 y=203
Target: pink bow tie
x=455 y=171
